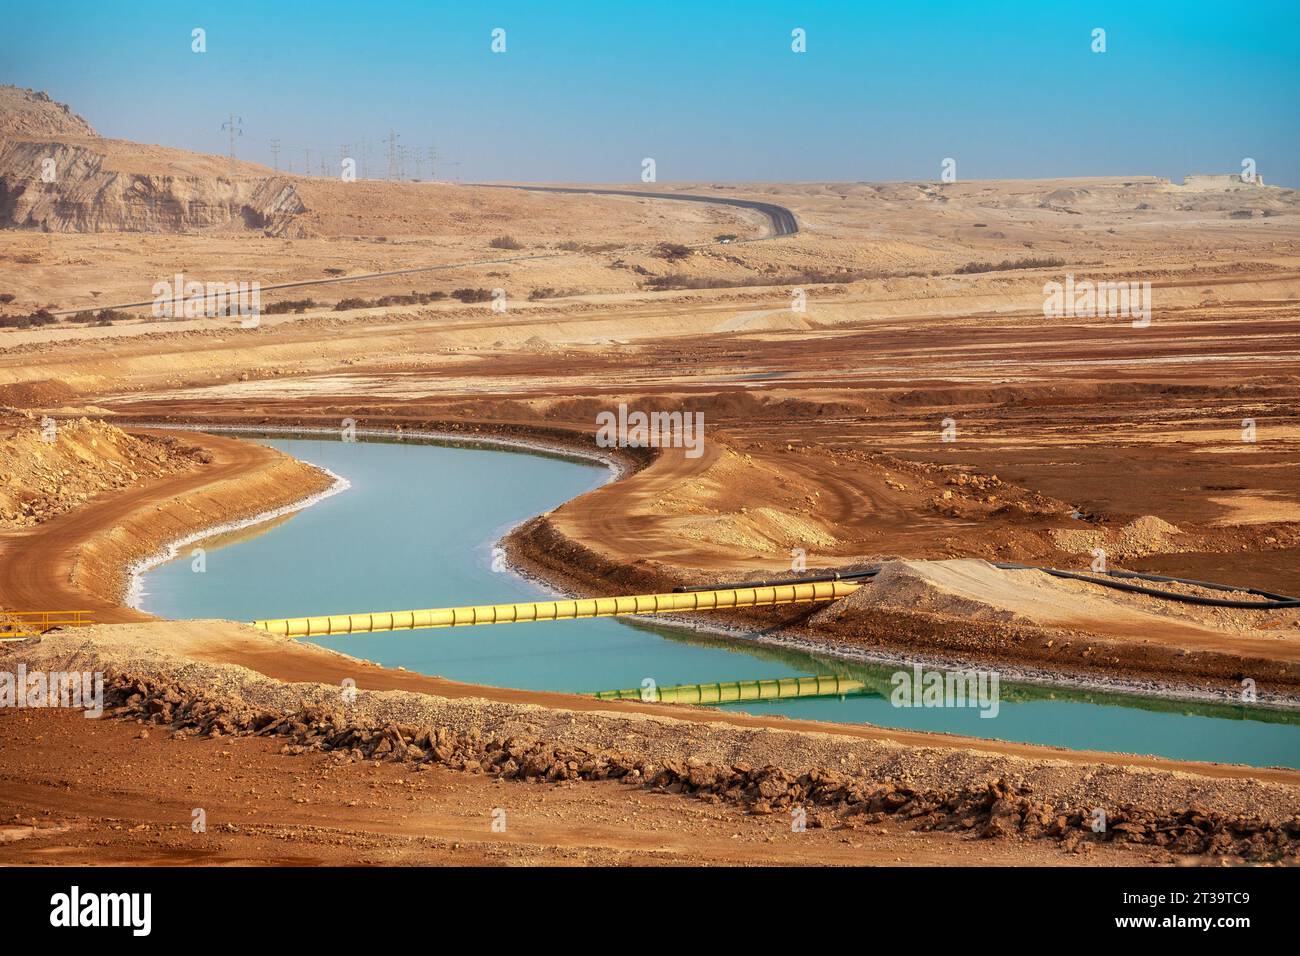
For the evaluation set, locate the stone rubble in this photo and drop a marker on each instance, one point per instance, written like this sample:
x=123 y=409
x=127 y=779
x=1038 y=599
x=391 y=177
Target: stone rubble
x=995 y=809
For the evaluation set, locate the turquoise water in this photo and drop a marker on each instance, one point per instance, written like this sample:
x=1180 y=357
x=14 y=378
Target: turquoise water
x=416 y=529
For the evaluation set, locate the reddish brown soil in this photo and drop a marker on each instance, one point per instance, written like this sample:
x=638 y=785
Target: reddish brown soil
x=829 y=420
x=76 y=791
x=77 y=559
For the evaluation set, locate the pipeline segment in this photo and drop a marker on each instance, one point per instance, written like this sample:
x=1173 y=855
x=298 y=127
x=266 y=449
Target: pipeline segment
x=634 y=604
x=725 y=692
x=757 y=594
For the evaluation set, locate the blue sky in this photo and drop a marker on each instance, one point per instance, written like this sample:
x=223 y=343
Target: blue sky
x=711 y=91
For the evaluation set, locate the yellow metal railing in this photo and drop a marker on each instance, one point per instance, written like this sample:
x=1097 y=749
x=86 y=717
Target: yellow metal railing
x=32 y=623
x=676 y=602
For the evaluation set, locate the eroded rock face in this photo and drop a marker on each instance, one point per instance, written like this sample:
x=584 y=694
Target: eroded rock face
x=86 y=197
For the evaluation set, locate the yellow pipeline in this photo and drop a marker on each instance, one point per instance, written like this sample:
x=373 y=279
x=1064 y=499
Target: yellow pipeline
x=728 y=691
x=557 y=610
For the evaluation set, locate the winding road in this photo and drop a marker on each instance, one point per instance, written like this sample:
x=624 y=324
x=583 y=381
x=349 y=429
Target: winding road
x=782 y=219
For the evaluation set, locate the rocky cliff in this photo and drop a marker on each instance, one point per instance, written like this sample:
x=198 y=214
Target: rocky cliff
x=84 y=196
x=58 y=175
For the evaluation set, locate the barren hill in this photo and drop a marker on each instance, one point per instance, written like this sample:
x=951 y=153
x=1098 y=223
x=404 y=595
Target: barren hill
x=58 y=175
x=33 y=113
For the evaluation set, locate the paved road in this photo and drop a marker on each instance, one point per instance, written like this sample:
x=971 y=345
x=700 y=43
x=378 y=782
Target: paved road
x=783 y=220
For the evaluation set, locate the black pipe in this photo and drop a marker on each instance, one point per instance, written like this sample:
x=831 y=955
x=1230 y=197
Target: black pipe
x=1272 y=602
x=781 y=582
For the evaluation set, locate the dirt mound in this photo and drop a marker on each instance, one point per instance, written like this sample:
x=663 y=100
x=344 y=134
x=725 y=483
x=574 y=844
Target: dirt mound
x=51 y=467
x=765 y=530
x=1065 y=197
x=536 y=343
x=973 y=596
x=969 y=588
x=40 y=393
x=1140 y=537
x=972 y=589
x=32 y=113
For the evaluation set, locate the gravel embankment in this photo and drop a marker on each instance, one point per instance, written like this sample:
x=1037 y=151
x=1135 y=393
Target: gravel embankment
x=839 y=779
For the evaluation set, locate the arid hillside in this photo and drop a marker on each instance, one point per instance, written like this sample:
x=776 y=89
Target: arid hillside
x=26 y=113
x=58 y=175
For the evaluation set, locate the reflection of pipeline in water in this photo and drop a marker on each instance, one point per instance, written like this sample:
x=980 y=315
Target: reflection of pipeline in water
x=527 y=611
x=725 y=692
x=875 y=679
x=1271 y=602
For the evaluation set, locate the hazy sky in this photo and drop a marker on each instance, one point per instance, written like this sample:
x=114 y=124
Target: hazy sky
x=711 y=90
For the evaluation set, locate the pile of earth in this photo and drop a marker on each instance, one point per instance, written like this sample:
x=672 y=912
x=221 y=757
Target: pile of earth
x=49 y=467
x=1141 y=536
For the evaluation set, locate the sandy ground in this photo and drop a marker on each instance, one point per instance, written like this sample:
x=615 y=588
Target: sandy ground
x=920 y=407
x=86 y=792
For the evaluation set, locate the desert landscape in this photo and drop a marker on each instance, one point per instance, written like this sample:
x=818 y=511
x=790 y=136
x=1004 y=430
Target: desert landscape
x=882 y=392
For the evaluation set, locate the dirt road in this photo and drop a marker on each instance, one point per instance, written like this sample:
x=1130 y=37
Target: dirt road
x=77 y=560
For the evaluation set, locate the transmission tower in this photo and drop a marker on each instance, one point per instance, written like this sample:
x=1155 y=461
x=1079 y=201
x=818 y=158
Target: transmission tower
x=236 y=126
x=392 y=154
x=275 y=154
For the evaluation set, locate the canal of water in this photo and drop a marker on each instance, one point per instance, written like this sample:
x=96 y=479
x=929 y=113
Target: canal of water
x=417 y=528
